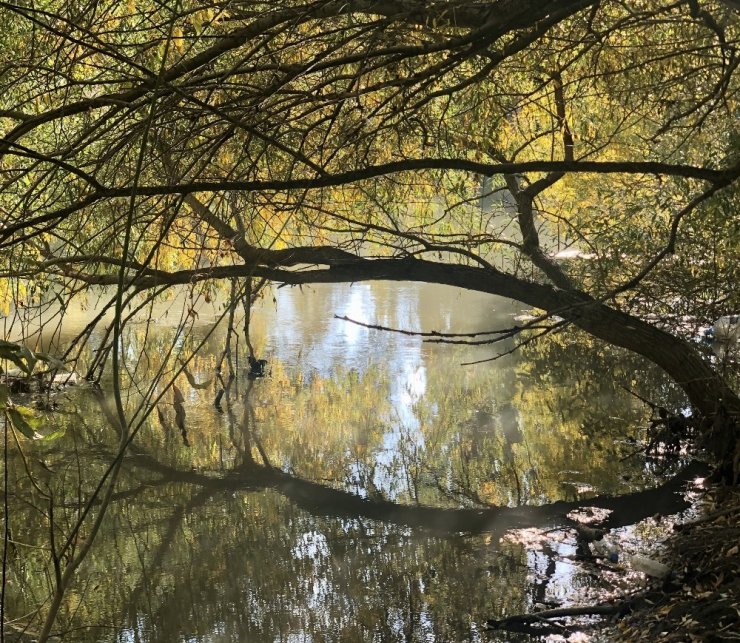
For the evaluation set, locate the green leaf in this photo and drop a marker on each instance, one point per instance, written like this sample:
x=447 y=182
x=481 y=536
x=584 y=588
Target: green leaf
x=4 y=396
x=21 y=356
x=33 y=417
x=19 y=422
x=53 y=435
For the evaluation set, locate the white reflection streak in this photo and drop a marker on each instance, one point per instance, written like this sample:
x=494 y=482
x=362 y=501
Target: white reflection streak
x=357 y=308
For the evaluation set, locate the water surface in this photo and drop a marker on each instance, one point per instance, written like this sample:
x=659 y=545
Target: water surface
x=351 y=494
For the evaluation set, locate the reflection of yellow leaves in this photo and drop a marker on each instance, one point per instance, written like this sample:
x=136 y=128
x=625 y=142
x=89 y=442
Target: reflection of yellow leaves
x=488 y=490
x=531 y=538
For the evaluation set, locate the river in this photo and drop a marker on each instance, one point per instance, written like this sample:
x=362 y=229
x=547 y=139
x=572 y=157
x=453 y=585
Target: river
x=349 y=495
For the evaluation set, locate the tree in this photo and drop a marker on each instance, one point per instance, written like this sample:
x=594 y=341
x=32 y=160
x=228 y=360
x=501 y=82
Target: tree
x=304 y=142
x=147 y=146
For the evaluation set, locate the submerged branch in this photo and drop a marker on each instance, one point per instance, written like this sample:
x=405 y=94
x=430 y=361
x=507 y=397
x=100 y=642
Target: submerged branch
x=541 y=623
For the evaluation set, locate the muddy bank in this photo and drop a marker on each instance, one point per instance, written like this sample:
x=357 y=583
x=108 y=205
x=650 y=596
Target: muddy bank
x=701 y=601
x=666 y=578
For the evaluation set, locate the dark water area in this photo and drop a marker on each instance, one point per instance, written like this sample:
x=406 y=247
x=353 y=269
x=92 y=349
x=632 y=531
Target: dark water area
x=364 y=490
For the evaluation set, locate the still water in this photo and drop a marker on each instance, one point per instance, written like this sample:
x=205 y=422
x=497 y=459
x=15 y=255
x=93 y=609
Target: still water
x=361 y=491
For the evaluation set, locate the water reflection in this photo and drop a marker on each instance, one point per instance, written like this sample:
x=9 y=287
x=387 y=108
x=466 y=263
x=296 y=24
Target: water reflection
x=350 y=496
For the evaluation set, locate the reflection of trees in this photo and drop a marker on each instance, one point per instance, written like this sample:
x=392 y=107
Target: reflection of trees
x=574 y=368
x=516 y=432
x=322 y=500
x=500 y=433
x=282 y=502
x=242 y=432
x=261 y=551
x=248 y=546
x=492 y=434
x=194 y=554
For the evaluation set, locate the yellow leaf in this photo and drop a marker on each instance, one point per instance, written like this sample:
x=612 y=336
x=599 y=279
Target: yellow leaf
x=177 y=38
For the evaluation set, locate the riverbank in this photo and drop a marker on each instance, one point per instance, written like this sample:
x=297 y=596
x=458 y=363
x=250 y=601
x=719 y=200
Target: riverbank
x=701 y=601
x=686 y=588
